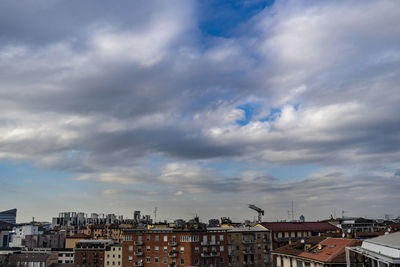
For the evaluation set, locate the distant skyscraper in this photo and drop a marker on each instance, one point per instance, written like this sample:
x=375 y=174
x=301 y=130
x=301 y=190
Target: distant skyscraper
x=9 y=216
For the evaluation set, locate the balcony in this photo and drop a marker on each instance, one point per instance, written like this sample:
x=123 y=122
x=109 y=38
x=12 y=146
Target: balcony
x=204 y=243
x=138 y=253
x=138 y=263
x=248 y=252
x=210 y=254
x=173 y=254
x=139 y=243
x=172 y=243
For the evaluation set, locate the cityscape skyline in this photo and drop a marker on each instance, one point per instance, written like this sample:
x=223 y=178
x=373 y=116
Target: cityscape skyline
x=200 y=107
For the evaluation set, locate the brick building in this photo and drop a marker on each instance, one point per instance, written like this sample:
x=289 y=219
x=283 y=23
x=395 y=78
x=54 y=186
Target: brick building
x=90 y=252
x=174 y=247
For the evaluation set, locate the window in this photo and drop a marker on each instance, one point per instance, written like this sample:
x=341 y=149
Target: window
x=291 y=262
x=290 y=234
x=165 y=260
x=130 y=249
x=307 y=264
x=221 y=248
x=113 y=249
x=182 y=249
x=108 y=263
x=140 y=238
x=196 y=249
x=108 y=255
x=221 y=237
x=157 y=237
x=299 y=264
x=119 y=263
x=147 y=259
x=196 y=261
x=156 y=259
x=221 y=260
x=156 y=248
x=295 y=234
x=147 y=248
x=182 y=261
x=147 y=237
x=130 y=258
x=276 y=235
x=165 y=238
x=165 y=248
x=281 y=260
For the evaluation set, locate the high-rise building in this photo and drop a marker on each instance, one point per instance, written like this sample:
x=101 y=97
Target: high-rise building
x=9 y=216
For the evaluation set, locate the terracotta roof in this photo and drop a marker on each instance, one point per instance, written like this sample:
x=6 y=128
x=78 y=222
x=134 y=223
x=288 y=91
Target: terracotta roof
x=299 y=226
x=331 y=250
x=297 y=247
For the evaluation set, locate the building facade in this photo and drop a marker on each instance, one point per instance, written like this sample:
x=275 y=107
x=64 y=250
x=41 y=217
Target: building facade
x=90 y=253
x=113 y=255
x=174 y=247
x=249 y=246
x=283 y=232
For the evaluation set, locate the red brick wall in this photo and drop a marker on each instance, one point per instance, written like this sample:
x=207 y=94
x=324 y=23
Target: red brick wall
x=189 y=255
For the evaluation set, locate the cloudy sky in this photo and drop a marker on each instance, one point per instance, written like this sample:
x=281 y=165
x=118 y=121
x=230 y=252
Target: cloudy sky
x=200 y=107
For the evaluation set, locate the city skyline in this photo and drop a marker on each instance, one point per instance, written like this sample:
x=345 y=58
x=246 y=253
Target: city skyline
x=200 y=107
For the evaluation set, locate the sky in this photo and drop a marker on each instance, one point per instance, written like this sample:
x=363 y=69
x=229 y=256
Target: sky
x=200 y=108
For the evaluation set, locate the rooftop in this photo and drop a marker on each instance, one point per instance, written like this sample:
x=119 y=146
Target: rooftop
x=328 y=250
x=299 y=226
x=388 y=240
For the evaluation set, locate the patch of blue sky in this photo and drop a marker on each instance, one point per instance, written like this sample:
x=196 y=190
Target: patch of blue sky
x=248 y=113
x=221 y=18
x=273 y=115
x=26 y=175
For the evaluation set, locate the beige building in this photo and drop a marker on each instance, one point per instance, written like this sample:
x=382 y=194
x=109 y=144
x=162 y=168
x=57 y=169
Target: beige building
x=70 y=241
x=249 y=246
x=113 y=255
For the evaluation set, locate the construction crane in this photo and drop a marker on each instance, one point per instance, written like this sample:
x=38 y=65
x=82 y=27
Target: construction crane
x=259 y=210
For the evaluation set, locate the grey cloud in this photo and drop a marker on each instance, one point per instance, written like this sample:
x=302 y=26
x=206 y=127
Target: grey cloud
x=85 y=88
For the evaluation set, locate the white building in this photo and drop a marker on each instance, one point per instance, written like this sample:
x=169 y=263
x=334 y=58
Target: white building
x=382 y=251
x=20 y=232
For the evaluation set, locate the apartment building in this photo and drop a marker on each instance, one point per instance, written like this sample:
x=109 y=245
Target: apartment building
x=314 y=252
x=113 y=255
x=249 y=246
x=175 y=247
x=284 y=232
x=90 y=253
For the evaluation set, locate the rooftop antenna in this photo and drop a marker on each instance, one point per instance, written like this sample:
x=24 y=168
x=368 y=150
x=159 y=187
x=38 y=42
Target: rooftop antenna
x=343 y=212
x=292 y=212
